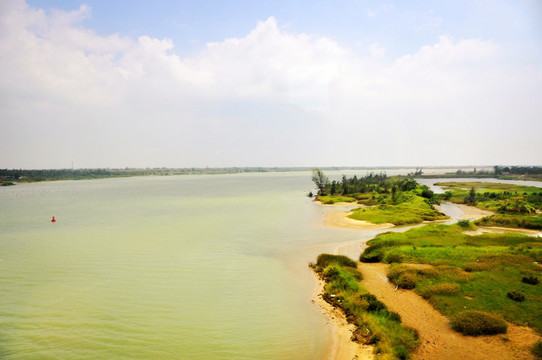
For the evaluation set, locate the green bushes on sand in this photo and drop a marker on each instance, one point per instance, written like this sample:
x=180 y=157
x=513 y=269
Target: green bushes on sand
x=375 y=324
x=461 y=272
x=475 y=323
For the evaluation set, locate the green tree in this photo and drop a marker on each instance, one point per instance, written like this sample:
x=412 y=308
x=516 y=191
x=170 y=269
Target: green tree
x=394 y=193
x=471 y=198
x=320 y=180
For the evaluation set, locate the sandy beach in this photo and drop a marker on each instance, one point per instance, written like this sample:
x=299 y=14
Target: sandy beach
x=342 y=347
x=340 y=219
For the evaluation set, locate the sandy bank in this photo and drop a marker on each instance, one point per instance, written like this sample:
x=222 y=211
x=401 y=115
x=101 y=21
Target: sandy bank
x=462 y=212
x=338 y=218
x=342 y=348
x=438 y=340
x=500 y=230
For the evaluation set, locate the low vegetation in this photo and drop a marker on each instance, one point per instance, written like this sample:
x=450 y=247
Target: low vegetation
x=395 y=200
x=412 y=209
x=499 y=172
x=475 y=323
x=512 y=221
x=494 y=273
x=375 y=324
x=515 y=206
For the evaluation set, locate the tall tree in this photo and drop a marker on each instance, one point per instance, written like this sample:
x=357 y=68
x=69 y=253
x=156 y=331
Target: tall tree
x=320 y=180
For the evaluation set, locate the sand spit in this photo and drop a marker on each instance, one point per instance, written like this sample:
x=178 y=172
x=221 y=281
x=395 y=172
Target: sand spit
x=340 y=219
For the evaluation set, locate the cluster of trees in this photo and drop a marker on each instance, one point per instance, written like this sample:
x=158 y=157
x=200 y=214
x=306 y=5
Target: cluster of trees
x=517 y=170
x=474 y=172
x=379 y=183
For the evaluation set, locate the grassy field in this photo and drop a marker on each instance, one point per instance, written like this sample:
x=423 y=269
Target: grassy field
x=406 y=208
x=516 y=206
x=412 y=210
x=463 y=272
x=375 y=324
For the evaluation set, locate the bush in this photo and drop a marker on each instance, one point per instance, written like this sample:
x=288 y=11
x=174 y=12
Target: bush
x=531 y=280
x=441 y=289
x=465 y=224
x=373 y=304
x=515 y=295
x=474 y=323
x=406 y=280
x=393 y=258
x=537 y=349
x=331 y=272
x=401 y=353
x=324 y=260
x=372 y=254
x=476 y=266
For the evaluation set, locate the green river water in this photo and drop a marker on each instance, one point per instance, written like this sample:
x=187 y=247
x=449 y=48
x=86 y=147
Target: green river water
x=181 y=267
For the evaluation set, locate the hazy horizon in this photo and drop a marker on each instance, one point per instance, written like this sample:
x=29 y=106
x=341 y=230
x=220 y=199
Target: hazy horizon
x=270 y=84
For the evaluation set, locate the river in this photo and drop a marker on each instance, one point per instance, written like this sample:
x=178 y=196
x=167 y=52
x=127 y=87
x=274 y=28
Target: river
x=180 y=267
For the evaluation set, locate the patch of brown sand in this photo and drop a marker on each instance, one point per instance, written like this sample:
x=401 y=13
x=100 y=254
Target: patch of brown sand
x=338 y=218
x=438 y=340
x=342 y=347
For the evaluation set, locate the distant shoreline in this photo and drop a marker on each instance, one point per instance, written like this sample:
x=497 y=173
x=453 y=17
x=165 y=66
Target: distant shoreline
x=15 y=176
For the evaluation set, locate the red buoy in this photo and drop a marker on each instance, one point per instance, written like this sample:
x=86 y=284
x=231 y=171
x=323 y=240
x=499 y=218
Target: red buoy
x=53 y=219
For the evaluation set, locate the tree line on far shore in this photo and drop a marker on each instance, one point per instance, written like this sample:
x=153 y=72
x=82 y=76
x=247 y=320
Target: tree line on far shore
x=372 y=182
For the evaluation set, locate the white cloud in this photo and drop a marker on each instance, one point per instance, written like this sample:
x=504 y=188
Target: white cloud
x=376 y=51
x=268 y=98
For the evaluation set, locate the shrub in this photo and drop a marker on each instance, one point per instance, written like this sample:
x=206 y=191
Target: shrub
x=393 y=316
x=372 y=254
x=515 y=295
x=406 y=280
x=393 y=258
x=324 y=260
x=465 y=224
x=331 y=272
x=373 y=304
x=531 y=280
x=537 y=349
x=441 y=289
x=476 y=266
x=474 y=323
x=401 y=353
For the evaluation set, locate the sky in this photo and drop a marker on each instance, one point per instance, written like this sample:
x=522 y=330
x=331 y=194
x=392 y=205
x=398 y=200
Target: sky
x=114 y=84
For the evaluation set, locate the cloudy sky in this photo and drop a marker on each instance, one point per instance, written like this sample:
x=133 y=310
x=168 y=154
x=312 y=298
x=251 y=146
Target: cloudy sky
x=270 y=83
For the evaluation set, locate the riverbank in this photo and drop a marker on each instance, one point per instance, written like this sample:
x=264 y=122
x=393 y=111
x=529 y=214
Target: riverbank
x=438 y=340
x=342 y=347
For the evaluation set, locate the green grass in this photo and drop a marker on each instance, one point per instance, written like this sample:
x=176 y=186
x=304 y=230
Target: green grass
x=517 y=205
x=466 y=272
x=512 y=221
x=482 y=187
x=375 y=324
x=413 y=210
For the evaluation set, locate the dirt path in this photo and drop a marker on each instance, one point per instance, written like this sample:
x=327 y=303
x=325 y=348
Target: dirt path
x=438 y=340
